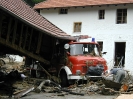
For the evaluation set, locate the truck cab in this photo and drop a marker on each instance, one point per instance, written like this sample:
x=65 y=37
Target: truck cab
x=82 y=59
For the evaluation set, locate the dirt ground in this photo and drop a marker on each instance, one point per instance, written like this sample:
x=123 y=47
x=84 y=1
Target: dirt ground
x=44 y=95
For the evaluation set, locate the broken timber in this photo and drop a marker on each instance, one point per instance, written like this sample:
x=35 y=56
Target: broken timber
x=39 y=88
x=24 y=92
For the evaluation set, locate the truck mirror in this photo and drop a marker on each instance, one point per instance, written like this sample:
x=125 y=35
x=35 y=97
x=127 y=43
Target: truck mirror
x=66 y=46
x=104 y=52
x=68 y=53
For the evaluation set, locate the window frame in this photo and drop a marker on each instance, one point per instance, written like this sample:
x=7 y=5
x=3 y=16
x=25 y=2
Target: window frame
x=63 y=11
x=121 y=16
x=101 y=14
x=78 y=28
x=100 y=45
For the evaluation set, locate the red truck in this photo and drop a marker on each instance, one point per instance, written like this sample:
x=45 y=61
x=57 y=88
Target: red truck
x=82 y=59
x=76 y=60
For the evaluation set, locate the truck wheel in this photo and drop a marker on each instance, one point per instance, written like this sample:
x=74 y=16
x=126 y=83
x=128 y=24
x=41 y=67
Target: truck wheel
x=64 y=80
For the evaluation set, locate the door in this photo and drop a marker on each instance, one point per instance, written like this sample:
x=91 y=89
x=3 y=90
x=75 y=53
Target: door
x=120 y=53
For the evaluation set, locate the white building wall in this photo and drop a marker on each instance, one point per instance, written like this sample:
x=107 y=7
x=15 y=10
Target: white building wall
x=105 y=30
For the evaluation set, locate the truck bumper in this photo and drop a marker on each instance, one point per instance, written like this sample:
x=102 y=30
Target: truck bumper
x=77 y=77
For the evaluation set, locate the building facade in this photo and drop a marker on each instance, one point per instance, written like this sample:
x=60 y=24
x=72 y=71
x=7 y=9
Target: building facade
x=110 y=24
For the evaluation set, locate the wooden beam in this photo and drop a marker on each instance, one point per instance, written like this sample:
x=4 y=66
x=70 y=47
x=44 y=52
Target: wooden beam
x=0 y=25
x=20 y=41
x=39 y=42
x=30 y=38
x=9 y=30
x=28 y=53
x=14 y=32
x=26 y=34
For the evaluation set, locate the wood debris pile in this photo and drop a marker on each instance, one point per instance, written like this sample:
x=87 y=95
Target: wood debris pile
x=12 y=62
x=11 y=69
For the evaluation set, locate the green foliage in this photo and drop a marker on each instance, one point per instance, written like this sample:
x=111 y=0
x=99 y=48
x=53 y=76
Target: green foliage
x=33 y=2
x=37 y=1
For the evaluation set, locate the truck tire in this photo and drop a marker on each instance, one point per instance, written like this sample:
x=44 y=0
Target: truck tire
x=64 y=80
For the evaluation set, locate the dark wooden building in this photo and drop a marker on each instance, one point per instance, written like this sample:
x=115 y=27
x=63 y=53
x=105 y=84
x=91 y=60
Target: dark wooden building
x=24 y=31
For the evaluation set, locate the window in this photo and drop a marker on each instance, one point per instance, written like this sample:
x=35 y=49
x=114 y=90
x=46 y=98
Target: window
x=101 y=45
x=80 y=49
x=63 y=11
x=77 y=26
x=101 y=14
x=121 y=16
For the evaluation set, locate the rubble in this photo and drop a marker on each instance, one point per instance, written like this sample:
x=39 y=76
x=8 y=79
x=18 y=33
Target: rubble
x=17 y=88
x=12 y=62
x=24 y=92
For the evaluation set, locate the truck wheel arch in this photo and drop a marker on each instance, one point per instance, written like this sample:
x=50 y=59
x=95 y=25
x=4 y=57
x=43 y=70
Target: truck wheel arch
x=66 y=69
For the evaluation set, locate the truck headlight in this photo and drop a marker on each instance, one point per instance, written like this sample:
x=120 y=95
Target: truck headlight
x=78 y=72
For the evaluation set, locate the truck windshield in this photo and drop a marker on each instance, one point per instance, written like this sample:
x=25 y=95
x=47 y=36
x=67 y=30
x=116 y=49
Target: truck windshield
x=80 y=49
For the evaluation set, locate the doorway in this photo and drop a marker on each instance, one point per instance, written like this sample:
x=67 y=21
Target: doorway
x=119 y=54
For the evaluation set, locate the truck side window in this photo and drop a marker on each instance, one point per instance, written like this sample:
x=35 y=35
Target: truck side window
x=90 y=48
x=85 y=49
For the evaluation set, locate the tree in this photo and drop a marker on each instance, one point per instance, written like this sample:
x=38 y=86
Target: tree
x=33 y=2
x=37 y=1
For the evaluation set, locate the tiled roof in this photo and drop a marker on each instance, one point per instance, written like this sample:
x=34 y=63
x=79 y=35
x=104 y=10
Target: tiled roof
x=77 y=3
x=21 y=10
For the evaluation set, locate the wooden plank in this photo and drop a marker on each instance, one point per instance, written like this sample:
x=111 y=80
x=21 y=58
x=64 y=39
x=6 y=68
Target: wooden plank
x=17 y=96
x=20 y=41
x=25 y=37
x=0 y=24
x=9 y=30
x=30 y=39
x=28 y=53
x=18 y=91
x=39 y=42
x=14 y=32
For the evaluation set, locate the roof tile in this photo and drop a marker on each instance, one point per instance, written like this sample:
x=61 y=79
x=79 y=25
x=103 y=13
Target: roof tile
x=21 y=10
x=76 y=3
